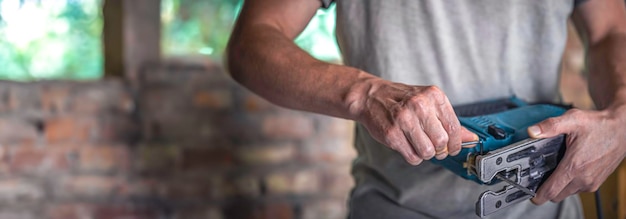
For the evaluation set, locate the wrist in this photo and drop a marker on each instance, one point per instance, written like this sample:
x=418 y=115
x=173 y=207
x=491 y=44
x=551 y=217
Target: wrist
x=358 y=93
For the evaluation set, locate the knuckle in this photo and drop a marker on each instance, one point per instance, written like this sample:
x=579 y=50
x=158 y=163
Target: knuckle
x=416 y=161
x=588 y=183
x=440 y=140
x=435 y=93
x=426 y=152
x=454 y=148
x=594 y=187
x=418 y=101
x=433 y=90
x=403 y=115
x=389 y=134
x=454 y=127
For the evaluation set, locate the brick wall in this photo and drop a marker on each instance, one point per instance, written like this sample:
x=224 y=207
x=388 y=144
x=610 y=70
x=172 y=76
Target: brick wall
x=228 y=153
x=186 y=143
x=65 y=146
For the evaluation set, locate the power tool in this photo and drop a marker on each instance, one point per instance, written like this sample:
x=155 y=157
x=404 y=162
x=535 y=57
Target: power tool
x=505 y=152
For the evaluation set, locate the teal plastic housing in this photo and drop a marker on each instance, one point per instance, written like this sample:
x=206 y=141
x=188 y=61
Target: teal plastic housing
x=514 y=122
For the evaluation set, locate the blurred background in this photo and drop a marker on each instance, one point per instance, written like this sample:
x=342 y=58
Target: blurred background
x=122 y=109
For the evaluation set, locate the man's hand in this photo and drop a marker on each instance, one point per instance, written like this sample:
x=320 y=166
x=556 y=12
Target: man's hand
x=596 y=144
x=416 y=121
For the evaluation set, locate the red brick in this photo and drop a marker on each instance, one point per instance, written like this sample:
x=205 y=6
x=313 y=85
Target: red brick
x=266 y=154
x=206 y=158
x=163 y=99
x=5 y=96
x=288 y=126
x=328 y=149
x=293 y=182
x=186 y=191
x=103 y=158
x=90 y=186
x=4 y=160
x=144 y=188
x=247 y=186
x=195 y=188
x=22 y=213
x=117 y=129
x=332 y=127
x=69 y=129
x=68 y=211
x=18 y=131
x=212 y=99
x=101 y=97
x=157 y=158
x=15 y=191
x=41 y=160
x=274 y=211
x=182 y=128
x=24 y=97
x=125 y=212
x=337 y=181
x=259 y=210
x=54 y=99
x=327 y=209
x=208 y=212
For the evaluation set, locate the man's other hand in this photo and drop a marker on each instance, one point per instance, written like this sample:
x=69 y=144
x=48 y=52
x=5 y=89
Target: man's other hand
x=595 y=147
x=416 y=121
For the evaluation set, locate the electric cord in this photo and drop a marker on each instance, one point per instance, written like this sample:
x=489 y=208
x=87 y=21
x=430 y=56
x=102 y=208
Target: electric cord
x=598 y=204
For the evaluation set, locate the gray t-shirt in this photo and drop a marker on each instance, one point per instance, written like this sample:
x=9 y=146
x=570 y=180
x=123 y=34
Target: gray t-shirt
x=473 y=50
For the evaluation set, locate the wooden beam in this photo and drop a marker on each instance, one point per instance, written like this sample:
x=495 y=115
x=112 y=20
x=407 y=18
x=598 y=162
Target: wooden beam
x=131 y=36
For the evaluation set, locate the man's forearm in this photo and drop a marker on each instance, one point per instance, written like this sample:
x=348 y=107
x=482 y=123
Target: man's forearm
x=267 y=62
x=607 y=71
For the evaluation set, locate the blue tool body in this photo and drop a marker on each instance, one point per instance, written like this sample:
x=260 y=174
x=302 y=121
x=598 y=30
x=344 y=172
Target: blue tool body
x=497 y=130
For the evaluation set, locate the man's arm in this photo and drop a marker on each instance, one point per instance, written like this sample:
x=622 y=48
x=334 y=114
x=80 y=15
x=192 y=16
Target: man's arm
x=416 y=121
x=596 y=142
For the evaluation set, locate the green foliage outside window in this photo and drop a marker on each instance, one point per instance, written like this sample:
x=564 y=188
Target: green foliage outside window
x=61 y=39
x=50 y=39
x=202 y=27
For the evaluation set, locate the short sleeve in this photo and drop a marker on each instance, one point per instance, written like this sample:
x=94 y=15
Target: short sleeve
x=326 y=3
x=578 y=2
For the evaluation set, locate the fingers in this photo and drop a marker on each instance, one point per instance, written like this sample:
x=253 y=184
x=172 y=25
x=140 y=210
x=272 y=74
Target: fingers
x=468 y=136
x=437 y=137
x=415 y=136
x=400 y=143
x=420 y=143
x=555 y=126
x=450 y=123
x=552 y=187
x=420 y=125
x=570 y=189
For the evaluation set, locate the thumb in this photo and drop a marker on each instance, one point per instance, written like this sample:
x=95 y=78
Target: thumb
x=468 y=136
x=551 y=127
